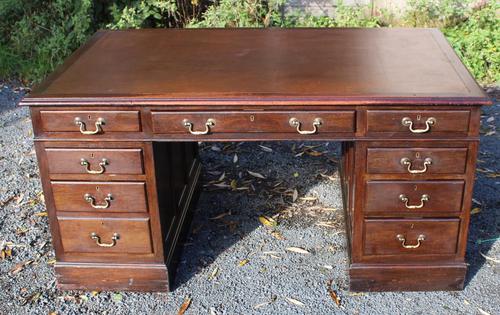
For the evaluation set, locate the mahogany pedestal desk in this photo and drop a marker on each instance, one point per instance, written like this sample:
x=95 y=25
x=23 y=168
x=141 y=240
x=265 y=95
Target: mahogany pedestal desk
x=117 y=127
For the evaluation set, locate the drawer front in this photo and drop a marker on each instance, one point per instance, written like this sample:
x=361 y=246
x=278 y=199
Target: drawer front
x=417 y=122
x=90 y=122
x=269 y=122
x=100 y=196
x=418 y=161
x=410 y=237
x=106 y=235
x=94 y=161
x=413 y=196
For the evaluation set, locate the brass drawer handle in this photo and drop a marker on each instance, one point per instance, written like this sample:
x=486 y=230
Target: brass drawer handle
x=189 y=125
x=407 y=122
x=97 y=239
x=405 y=199
x=90 y=199
x=83 y=128
x=407 y=162
x=294 y=122
x=402 y=239
x=102 y=169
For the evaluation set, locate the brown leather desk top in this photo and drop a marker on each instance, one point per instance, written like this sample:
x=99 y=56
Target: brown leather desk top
x=262 y=66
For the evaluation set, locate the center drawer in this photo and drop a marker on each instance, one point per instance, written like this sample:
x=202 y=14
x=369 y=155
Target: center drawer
x=389 y=197
x=100 y=196
x=410 y=237
x=105 y=235
x=270 y=122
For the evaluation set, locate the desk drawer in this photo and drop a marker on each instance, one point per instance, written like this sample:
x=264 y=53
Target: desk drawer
x=249 y=122
x=100 y=196
x=417 y=161
x=411 y=237
x=95 y=161
x=105 y=235
x=90 y=122
x=388 y=197
x=414 y=122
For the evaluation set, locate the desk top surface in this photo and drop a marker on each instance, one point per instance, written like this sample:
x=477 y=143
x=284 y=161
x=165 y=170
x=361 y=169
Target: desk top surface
x=262 y=66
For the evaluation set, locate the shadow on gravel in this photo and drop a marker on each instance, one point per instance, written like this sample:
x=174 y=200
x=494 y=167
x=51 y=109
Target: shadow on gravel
x=224 y=216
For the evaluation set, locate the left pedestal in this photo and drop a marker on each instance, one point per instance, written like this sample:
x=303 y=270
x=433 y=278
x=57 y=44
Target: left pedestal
x=117 y=210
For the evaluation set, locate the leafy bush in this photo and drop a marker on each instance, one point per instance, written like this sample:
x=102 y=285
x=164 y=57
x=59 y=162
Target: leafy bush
x=477 y=42
x=37 y=35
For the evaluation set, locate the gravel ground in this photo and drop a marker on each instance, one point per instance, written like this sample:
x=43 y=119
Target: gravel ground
x=232 y=263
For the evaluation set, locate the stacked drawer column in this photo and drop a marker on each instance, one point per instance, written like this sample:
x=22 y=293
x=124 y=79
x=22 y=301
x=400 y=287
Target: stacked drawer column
x=410 y=215
x=101 y=197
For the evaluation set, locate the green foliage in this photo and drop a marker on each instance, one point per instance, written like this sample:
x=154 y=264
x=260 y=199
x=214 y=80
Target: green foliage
x=239 y=13
x=142 y=14
x=477 y=42
x=36 y=35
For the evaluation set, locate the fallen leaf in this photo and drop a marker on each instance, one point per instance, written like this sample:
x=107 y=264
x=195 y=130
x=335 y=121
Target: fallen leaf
x=184 y=306
x=19 y=199
x=325 y=224
x=19 y=267
x=234 y=184
x=265 y=220
x=264 y=148
x=42 y=214
x=258 y=175
x=297 y=250
x=490 y=258
x=295 y=195
x=296 y=174
x=332 y=293
x=235 y=158
x=220 y=216
x=294 y=301
x=314 y=153
x=243 y=262
x=308 y=198
x=214 y=273
x=277 y=235
x=483 y=312
x=95 y=293
x=221 y=178
x=117 y=297
x=51 y=261
x=475 y=210
x=273 y=298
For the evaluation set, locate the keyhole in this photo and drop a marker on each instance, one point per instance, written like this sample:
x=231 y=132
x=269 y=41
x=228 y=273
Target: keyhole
x=417 y=155
x=90 y=117
x=415 y=188
x=419 y=117
x=252 y=118
x=97 y=188
x=412 y=226
x=92 y=155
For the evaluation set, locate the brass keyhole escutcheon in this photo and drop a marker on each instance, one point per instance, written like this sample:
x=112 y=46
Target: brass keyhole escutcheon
x=252 y=118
